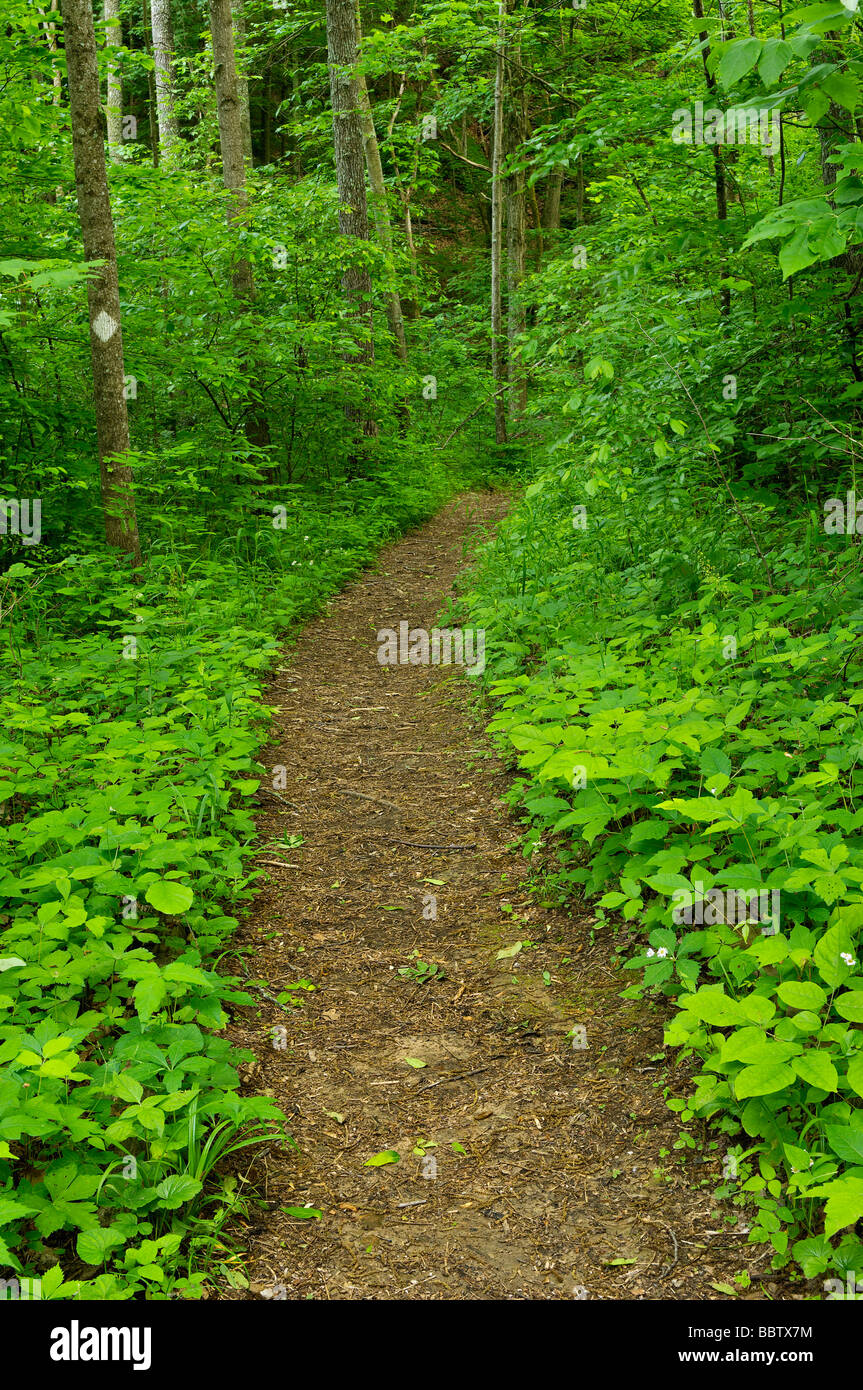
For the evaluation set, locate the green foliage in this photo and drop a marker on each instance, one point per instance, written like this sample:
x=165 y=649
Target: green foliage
x=126 y=786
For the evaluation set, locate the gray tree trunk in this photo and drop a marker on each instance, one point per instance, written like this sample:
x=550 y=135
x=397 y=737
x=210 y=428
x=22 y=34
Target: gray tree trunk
x=238 y=14
x=516 y=229
x=163 y=57
x=234 y=178
x=114 y=103
x=230 y=132
x=351 y=180
x=103 y=294
x=497 y=351
x=380 y=206
x=551 y=205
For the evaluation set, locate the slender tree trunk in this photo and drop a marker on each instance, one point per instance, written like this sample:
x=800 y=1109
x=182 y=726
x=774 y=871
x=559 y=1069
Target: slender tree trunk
x=380 y=205
x=497 y=363
x=718 y=167
x=103 y=294
x=516 y=227
x=350 y=177
x=151 y=89
x=238 y=15
x=163 y=56
x=551 y=206
x=750 y=14
x=537 y=222
x=296 y=149
x=51 y=38
x=114 y=103
x=234 y=177
x=230 y=132
x=412 y=305
x=269 y=117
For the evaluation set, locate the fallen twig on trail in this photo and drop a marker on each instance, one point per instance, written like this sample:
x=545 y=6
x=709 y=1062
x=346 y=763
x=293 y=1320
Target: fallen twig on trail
x=266 y=993
x=457 y=1076
x=346 y=791
x=412 y=845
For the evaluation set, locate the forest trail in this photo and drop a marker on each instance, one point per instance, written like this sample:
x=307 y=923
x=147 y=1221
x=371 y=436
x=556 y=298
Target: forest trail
x=554 y=1172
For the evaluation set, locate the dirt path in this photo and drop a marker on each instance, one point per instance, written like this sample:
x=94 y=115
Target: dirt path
x=528 y=1169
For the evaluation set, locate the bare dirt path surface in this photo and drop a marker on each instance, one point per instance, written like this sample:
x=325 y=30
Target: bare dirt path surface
x=527 y=1169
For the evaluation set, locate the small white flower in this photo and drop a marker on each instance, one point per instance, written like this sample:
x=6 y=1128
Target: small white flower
x=305 y=538
x=847 y=957
x=650 y=951
x=662 y=953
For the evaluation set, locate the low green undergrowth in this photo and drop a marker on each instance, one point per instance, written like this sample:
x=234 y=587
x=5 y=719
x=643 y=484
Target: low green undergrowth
x=131 y=717
x=676 y=673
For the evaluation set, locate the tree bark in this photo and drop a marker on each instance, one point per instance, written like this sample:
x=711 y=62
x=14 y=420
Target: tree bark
x=163 y=56
x=718 y=167
x=238 y=15
x=50 y=29
x=151 y=87
x=551 y=206
x=350 y=178
x=234 y=178
x=231 y=133
x=380 y=205
x=114 y=102
x=497 y=363
x=103 y=294
x=516 y=227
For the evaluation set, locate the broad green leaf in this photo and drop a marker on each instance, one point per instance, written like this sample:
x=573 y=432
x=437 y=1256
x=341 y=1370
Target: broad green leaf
x=714 y=1007
x=802 y=994
x=844 y=1203
x=849 y=1005
x=176 y=1190
x=846 y=1141
x=93 y=1245
x=738 y=59
x=775 y=57
x=150 y=994
x=167 y=896
x=816 y=1067
x=763 y=1079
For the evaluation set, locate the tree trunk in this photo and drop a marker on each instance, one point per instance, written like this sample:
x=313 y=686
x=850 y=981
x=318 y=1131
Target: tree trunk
x=163 y=56
x=238 y=15
x=269 y=117
x=350 y=177
x=718 y=167
x=230 y=132
x=234 y=178
x=551 y=206
x=516 y=228
x=103 y=294
x=380 y=206
x=51 y=38
x=114 y=103
x=497 y=364
x=151 y=88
